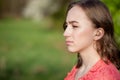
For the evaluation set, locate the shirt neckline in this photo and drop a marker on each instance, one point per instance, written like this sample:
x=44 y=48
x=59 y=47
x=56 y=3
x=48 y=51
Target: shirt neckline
x=93 y=68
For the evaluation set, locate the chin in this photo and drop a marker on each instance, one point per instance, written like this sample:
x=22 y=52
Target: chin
x=73 y=50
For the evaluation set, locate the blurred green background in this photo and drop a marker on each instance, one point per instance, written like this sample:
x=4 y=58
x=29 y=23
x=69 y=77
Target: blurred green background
x=31 y=39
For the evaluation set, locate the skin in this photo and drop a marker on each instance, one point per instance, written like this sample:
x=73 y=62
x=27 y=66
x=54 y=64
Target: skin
x=80 y=37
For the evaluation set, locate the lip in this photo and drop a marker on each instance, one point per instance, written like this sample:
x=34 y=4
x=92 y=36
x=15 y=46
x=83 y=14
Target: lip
x=68 y=43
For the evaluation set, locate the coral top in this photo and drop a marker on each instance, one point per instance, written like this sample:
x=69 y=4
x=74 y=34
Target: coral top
x=100 y=71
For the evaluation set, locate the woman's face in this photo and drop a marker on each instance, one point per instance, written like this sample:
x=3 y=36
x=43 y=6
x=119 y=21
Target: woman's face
x=79 y=33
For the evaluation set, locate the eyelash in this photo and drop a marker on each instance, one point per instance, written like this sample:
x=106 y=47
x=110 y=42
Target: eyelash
x=75 y=26
x=65 y=26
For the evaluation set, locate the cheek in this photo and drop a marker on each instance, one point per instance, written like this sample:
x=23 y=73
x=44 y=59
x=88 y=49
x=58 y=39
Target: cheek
x=85 y=32
x=84 y=36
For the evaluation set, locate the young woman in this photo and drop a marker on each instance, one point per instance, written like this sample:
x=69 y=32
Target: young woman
x=89 y=32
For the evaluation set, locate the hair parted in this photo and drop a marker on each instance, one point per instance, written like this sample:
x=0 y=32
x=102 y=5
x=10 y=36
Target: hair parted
x=100 y=16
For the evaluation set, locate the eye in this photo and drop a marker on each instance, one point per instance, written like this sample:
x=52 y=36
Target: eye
x=74 y=26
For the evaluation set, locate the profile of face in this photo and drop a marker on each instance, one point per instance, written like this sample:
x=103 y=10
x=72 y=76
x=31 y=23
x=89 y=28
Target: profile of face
x=80 y=33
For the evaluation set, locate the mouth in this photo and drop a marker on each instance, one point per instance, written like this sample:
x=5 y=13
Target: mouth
x=68 y=43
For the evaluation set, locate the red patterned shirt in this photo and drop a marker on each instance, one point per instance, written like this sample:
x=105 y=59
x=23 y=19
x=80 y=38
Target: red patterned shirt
x=100 y=71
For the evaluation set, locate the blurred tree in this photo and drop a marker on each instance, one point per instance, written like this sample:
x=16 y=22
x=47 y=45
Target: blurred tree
x=11 y=7
x=38 y=10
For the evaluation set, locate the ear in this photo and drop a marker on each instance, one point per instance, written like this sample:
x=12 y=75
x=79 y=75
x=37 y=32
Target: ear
x=99 y=33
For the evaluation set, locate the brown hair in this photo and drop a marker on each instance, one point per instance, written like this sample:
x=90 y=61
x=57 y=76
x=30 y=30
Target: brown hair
x=100 y=16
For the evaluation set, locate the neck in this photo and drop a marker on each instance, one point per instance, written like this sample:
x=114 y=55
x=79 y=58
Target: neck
x=89 y=57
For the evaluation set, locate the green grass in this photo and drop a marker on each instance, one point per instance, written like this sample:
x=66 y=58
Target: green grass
x=31 y=51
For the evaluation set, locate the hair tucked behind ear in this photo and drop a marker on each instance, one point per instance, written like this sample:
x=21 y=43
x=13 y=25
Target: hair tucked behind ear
x=100 y=16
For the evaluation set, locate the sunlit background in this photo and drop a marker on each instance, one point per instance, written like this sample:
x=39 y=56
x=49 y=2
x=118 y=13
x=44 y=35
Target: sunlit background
x=31 y=39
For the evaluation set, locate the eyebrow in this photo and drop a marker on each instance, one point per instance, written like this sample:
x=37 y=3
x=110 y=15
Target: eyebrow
x=71 y=22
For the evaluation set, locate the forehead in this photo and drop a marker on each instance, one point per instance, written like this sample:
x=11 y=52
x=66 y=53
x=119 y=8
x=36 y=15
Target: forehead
x=76 y=13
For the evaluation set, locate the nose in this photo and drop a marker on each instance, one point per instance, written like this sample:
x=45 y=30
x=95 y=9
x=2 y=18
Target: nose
x=67 y=31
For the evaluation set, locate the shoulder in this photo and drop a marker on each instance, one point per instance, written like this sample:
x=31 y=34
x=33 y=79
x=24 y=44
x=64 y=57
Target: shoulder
x=102 y=71
x=107 y=72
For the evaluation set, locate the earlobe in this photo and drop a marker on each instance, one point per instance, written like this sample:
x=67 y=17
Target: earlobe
x=99 y=33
